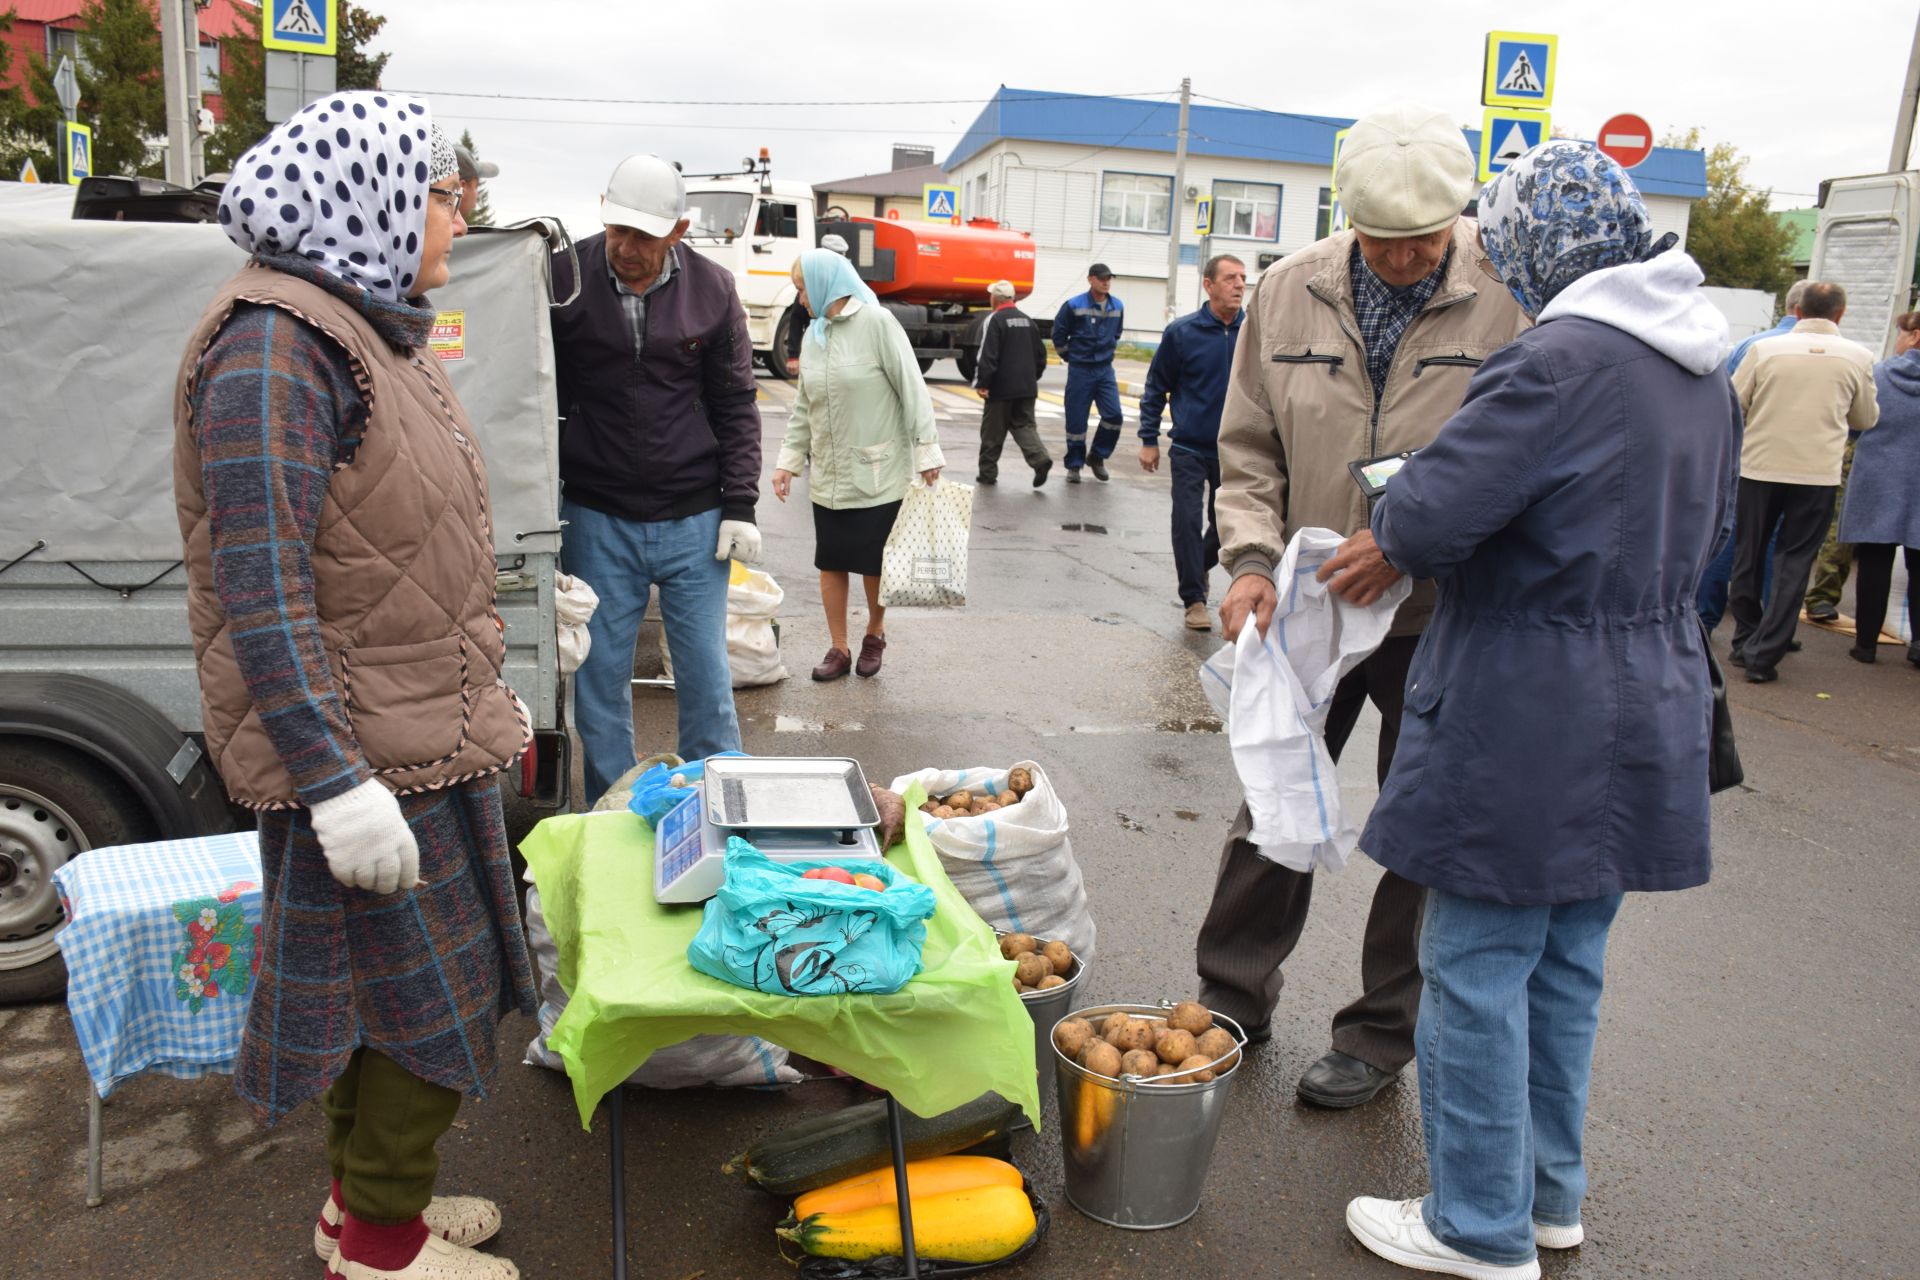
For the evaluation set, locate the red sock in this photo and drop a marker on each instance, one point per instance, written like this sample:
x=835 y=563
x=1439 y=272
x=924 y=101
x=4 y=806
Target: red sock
x=384 y=1248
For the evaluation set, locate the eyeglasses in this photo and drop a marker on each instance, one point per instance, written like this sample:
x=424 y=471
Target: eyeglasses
x=450 y=196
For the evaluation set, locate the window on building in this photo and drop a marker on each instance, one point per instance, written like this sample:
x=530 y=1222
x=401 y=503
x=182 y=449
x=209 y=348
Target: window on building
x=1246 y=210
x=781 y=221
x=209 y=68
x=1323 y=226
x=61 y=43
x=1136 y=202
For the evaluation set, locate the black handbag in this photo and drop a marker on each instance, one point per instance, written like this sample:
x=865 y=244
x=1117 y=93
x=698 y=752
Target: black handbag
x=1723 y=757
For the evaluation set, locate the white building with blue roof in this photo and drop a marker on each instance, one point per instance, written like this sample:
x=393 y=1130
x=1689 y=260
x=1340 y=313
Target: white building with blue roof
x=1092 y=179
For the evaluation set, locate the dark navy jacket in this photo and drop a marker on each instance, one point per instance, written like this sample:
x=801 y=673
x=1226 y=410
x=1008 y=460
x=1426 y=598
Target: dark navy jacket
x=671 y=430
x=1554 y=745
x=1086 y=334
x=1191 y=367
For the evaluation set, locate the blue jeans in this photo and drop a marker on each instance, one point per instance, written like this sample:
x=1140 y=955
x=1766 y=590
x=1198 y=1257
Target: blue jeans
x=1711 y=599
x=1196 y=538
x=620 y=559
x=1505 y=1045
x=1091 y=386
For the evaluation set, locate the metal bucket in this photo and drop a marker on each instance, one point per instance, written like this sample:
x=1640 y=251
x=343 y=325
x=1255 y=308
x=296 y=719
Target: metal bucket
x=1137 y=1154
x=1046 y=1008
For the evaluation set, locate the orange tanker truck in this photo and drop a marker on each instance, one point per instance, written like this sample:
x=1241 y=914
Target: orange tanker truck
x=933 y=277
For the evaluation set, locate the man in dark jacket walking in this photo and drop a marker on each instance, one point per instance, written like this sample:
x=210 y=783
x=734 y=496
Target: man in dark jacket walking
x=1191 y=368
x=659 y=461
x=1085 y=333
x=1007 y=376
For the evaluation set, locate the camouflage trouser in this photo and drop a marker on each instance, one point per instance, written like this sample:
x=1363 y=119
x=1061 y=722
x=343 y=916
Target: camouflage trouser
x=1836 y=557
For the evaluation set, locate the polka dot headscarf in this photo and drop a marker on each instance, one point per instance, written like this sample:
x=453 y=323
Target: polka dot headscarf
x=343 y=183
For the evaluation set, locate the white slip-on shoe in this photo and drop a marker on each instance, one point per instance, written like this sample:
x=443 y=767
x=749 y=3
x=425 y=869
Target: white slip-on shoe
x=437 y=1260
x=1397 y=1231
x=461 y=1220
x=1558 y=1237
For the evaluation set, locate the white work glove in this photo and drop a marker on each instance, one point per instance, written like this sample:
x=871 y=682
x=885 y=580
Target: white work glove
x=366 y=839
x=739 y=540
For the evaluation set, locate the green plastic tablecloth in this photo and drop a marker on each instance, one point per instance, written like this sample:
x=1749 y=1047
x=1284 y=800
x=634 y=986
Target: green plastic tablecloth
x=953 y=1033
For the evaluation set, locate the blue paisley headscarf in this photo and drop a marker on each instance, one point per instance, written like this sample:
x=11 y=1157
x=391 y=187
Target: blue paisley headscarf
x=829 y=278
x=1561 y=211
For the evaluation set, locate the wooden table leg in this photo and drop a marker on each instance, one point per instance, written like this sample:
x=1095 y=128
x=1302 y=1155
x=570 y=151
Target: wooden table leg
x=94 y=1198
x=908 y=1250
x=617 y=1153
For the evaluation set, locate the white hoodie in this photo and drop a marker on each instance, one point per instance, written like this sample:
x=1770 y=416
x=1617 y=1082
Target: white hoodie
x=1657 y=301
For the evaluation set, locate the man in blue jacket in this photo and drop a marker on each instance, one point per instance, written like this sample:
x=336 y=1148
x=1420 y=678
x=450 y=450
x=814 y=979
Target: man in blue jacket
x=1085 y=332
x=1191 y=367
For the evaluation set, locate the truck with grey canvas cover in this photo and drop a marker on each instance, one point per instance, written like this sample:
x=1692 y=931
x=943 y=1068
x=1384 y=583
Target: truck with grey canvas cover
x=99 y=698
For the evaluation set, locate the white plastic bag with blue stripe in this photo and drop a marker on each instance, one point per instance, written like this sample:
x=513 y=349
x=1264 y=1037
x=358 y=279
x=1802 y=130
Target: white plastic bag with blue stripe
x=1016 y=867
x=1273 y=691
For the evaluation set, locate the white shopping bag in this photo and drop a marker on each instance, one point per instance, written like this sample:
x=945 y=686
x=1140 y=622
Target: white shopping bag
x=573 y=605
x=926 y=556
x=1273 y=692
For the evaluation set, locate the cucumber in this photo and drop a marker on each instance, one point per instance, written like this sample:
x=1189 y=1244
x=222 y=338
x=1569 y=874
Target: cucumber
x=843 y=1144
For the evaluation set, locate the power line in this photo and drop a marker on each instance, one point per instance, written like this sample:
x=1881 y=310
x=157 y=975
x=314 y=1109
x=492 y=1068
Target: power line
x=815 y=102
x=1071 y=140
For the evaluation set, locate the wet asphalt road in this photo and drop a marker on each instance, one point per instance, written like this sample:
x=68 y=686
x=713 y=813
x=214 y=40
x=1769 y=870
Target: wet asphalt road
x=1755 y=1106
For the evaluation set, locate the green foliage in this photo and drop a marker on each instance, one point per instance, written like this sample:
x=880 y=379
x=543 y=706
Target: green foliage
x=1732 y=233
x=482 y=210
x=19 y=140
x=243 y=81
x=122 y=93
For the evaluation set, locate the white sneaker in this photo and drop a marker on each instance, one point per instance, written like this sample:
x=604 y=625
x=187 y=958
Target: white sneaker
x=1396 y=1231
x=437 y=1260
x=1558 y=1237
x=461 y=1220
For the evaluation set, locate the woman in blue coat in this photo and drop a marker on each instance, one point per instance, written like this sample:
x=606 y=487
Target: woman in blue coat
x=1882 y=514
x=1554 y=752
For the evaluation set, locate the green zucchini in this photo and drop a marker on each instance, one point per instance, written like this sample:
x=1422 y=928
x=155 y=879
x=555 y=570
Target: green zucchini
x=842 y=1144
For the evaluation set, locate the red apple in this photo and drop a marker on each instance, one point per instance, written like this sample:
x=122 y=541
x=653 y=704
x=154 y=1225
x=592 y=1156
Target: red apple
x=839 y=875
x=874 y=883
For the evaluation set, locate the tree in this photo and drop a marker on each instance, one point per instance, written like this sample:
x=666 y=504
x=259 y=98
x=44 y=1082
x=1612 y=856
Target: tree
x=18 y=141
x=122 y=97
x=243 y=80
x=482 y=211
x=1732 y=232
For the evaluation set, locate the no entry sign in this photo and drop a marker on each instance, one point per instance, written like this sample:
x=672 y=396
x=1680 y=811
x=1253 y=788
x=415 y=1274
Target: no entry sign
x=1628 y=139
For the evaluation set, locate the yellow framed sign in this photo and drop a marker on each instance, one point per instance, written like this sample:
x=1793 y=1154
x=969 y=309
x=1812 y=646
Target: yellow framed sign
x=301 y=26
x=76 y=144
x=1519 y=71
x=1506 y=135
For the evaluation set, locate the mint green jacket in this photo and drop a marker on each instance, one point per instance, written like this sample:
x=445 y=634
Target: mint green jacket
x=863 y=419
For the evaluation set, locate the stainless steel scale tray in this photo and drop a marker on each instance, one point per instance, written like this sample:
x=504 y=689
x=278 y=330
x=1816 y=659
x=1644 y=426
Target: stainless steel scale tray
x=789 y=793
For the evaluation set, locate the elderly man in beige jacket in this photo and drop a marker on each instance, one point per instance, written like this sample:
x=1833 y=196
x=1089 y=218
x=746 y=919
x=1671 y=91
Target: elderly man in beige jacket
x=1355 y=347
x=1803 y=392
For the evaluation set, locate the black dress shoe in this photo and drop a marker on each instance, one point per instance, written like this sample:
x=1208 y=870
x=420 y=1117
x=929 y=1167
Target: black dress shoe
x=1257 y=1033
x=1762 y=675
x=1794 y=646
x=1863 y=653
x=1338 y=1082
x=1737 y=658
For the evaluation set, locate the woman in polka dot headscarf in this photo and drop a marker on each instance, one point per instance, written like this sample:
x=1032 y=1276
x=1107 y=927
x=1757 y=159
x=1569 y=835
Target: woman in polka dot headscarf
x=341 y=567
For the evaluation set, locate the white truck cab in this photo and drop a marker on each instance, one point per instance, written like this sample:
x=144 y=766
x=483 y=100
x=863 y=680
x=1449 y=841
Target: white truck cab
x=755 y=227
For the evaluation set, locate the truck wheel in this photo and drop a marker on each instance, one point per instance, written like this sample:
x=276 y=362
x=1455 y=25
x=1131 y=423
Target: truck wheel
x=966 y=362
x=54 y=803
x=925 y=363
x=776 y=360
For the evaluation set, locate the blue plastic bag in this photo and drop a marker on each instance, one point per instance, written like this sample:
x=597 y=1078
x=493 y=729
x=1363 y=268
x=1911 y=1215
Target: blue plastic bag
x=769 y=929
x=654 y=796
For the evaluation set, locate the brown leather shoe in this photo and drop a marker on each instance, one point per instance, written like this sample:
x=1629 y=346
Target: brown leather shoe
x=836 y=664
x=871 y=647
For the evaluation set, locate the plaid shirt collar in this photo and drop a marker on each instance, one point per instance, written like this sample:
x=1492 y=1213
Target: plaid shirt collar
x=1385 y=312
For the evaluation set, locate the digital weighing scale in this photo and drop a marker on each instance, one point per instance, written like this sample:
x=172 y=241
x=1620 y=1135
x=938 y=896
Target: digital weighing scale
x=791 y=808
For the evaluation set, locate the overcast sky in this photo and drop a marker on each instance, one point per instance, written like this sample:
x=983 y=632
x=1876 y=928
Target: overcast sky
x=1807 y=91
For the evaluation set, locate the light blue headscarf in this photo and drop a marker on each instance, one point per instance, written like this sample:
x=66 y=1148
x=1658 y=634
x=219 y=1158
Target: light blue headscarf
x=1559 y=212
x=829 y=278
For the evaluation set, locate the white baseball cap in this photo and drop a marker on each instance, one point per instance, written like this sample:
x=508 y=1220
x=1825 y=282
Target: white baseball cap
x=645 y=193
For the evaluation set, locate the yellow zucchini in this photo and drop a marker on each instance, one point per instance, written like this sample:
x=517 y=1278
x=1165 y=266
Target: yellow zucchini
x=981 y=1224
x=924 y=1178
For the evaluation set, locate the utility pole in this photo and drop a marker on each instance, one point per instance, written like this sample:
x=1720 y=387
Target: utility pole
x=1909 y=100
x=1178 y=202
x=180 y=68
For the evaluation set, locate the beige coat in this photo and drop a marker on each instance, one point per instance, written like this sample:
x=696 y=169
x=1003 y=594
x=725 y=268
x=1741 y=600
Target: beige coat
x=1300 y=406
x=1802 y=392
x=403 y=574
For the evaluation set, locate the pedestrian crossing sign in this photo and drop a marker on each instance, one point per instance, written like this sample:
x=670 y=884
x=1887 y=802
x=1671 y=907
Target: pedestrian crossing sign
x=942 y=203
x=1506 y=135
x=301 y=26
x=79 y=150
x=1203 y=217
x=1519 y=69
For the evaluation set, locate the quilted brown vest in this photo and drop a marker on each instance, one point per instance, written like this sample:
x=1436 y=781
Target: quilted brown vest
x=403 y=573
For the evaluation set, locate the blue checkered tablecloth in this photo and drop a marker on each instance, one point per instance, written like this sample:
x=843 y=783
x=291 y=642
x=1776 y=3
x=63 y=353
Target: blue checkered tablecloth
x=161 y=944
